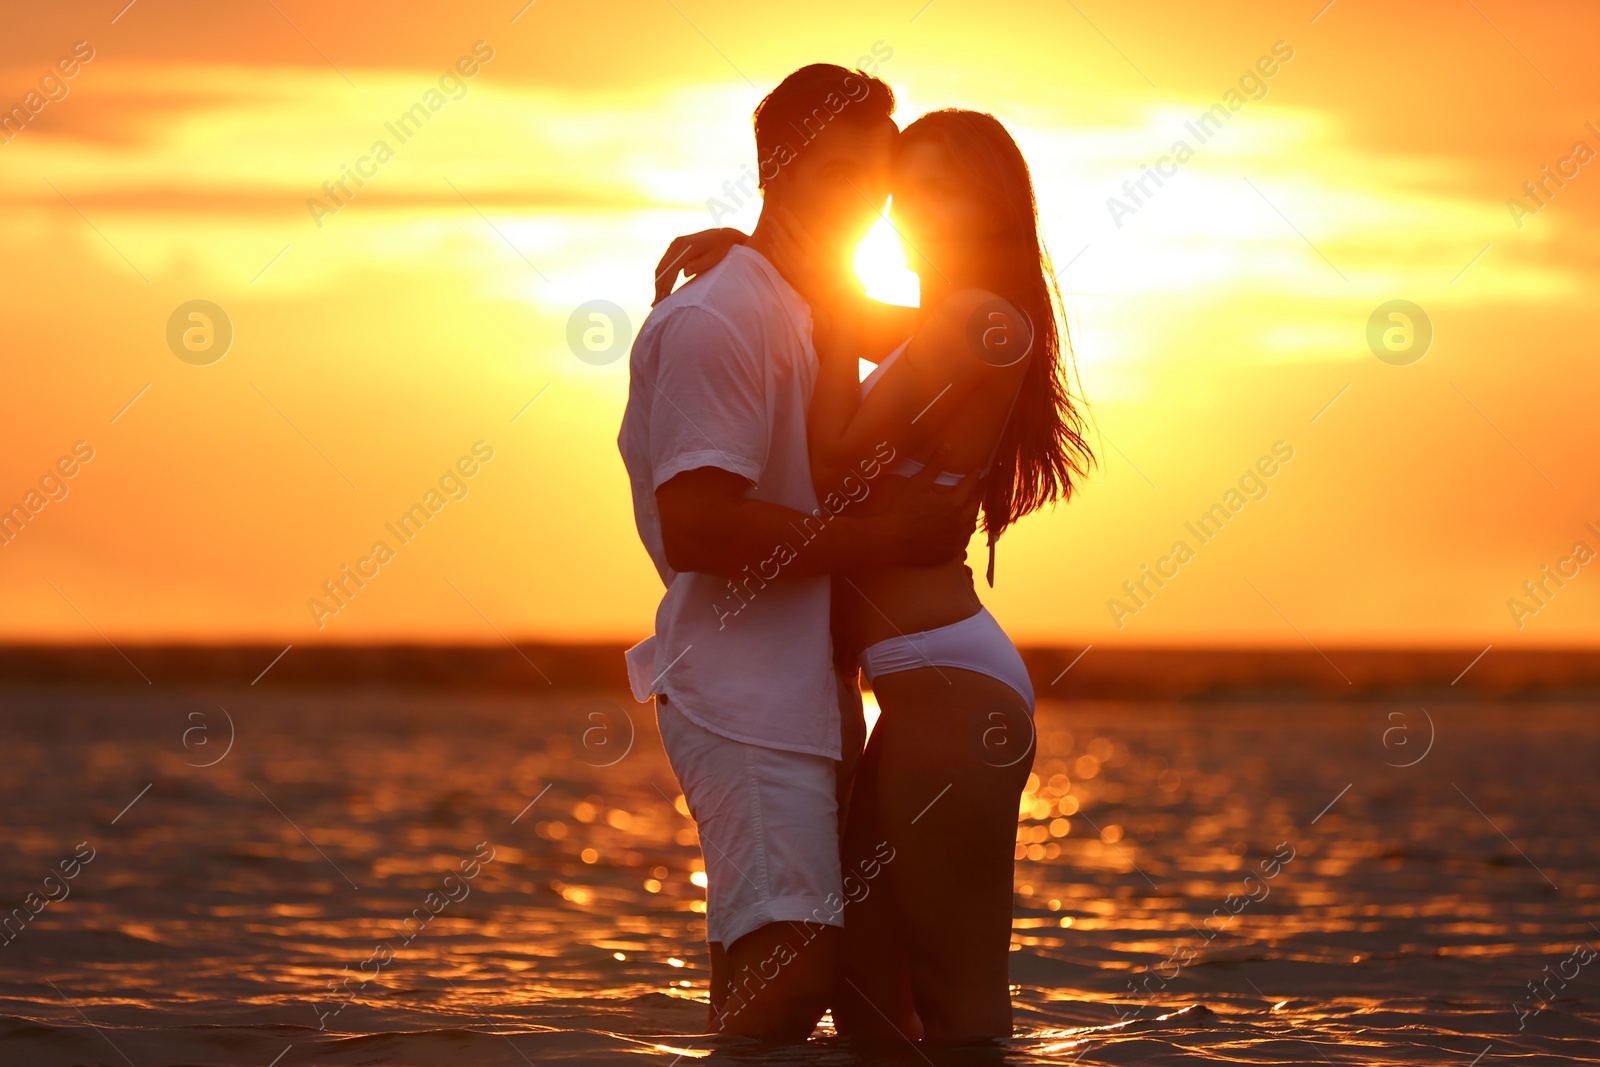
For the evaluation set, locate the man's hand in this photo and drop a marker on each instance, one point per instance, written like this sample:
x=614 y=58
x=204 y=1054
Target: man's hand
x=925 y=523
x=693 y=254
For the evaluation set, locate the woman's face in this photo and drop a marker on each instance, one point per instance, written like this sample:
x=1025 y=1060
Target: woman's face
x=943 y=219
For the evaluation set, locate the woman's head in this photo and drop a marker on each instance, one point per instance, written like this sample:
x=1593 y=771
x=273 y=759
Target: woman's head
x=962 y=196
x=963 y=200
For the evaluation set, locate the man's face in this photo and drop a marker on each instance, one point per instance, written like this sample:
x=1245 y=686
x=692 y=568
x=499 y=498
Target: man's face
x=837 y=186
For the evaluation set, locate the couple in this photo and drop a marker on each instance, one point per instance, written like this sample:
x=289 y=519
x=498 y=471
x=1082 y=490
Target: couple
x=807 y=523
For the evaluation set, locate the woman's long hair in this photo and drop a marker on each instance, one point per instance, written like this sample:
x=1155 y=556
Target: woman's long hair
x=1042 y=448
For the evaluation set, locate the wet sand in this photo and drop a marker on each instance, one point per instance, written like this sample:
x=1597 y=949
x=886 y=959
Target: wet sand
x=1415 y=868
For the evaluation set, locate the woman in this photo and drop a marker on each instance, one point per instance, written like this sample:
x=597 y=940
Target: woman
x=981 y=383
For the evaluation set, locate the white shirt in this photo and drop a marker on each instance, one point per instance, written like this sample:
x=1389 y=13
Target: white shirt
x=721 y=375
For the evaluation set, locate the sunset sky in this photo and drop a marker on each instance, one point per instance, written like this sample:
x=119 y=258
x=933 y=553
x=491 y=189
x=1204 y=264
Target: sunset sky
x=374 y=345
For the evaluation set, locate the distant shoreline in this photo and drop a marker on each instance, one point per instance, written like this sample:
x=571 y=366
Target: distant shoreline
x=1178 y=672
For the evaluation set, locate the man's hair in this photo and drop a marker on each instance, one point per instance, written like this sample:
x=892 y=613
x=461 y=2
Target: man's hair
x=806 y=102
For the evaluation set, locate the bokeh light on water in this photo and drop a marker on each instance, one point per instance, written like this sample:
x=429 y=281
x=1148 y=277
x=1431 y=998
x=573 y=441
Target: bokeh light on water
x=226 y=894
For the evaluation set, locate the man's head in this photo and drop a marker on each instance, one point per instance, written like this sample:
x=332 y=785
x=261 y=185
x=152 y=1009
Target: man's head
x=824 y=140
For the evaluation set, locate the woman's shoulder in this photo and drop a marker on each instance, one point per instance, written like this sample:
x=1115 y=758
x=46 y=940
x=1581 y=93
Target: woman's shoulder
x=979 y=326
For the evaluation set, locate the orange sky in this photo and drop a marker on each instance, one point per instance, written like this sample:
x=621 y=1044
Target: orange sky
x=371 y=352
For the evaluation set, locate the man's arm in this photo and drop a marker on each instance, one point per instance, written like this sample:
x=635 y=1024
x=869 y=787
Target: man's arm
x=709 y=441
x=709 y=525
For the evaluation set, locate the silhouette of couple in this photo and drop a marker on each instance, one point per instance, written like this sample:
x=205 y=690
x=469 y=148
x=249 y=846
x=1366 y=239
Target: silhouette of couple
x=810 y=526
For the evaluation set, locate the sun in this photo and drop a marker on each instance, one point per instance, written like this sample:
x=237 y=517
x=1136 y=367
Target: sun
x=880 y=263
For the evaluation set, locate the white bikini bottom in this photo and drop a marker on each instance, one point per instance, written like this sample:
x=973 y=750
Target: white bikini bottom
x=976 y=643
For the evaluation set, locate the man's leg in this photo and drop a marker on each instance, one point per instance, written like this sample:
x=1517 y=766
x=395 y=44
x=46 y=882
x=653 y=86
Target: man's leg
x=768 y=826
x=779 y=979
x=720 y=982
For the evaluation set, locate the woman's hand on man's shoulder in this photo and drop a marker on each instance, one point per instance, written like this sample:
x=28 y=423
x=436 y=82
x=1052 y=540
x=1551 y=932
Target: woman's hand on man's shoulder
x=694 y=254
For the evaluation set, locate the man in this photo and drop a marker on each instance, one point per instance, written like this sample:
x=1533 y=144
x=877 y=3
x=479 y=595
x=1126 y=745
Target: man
x=760 y=729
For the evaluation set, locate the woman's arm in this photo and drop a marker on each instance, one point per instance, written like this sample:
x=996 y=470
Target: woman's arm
x=694 y=254
x=960 y=346
x=879 y=327
x=835 y=399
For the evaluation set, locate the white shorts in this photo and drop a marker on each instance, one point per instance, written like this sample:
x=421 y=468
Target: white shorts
x=769 y=828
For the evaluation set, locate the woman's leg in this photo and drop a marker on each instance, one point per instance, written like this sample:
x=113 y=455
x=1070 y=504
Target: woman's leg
x=954 y=749
x=872 y=997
